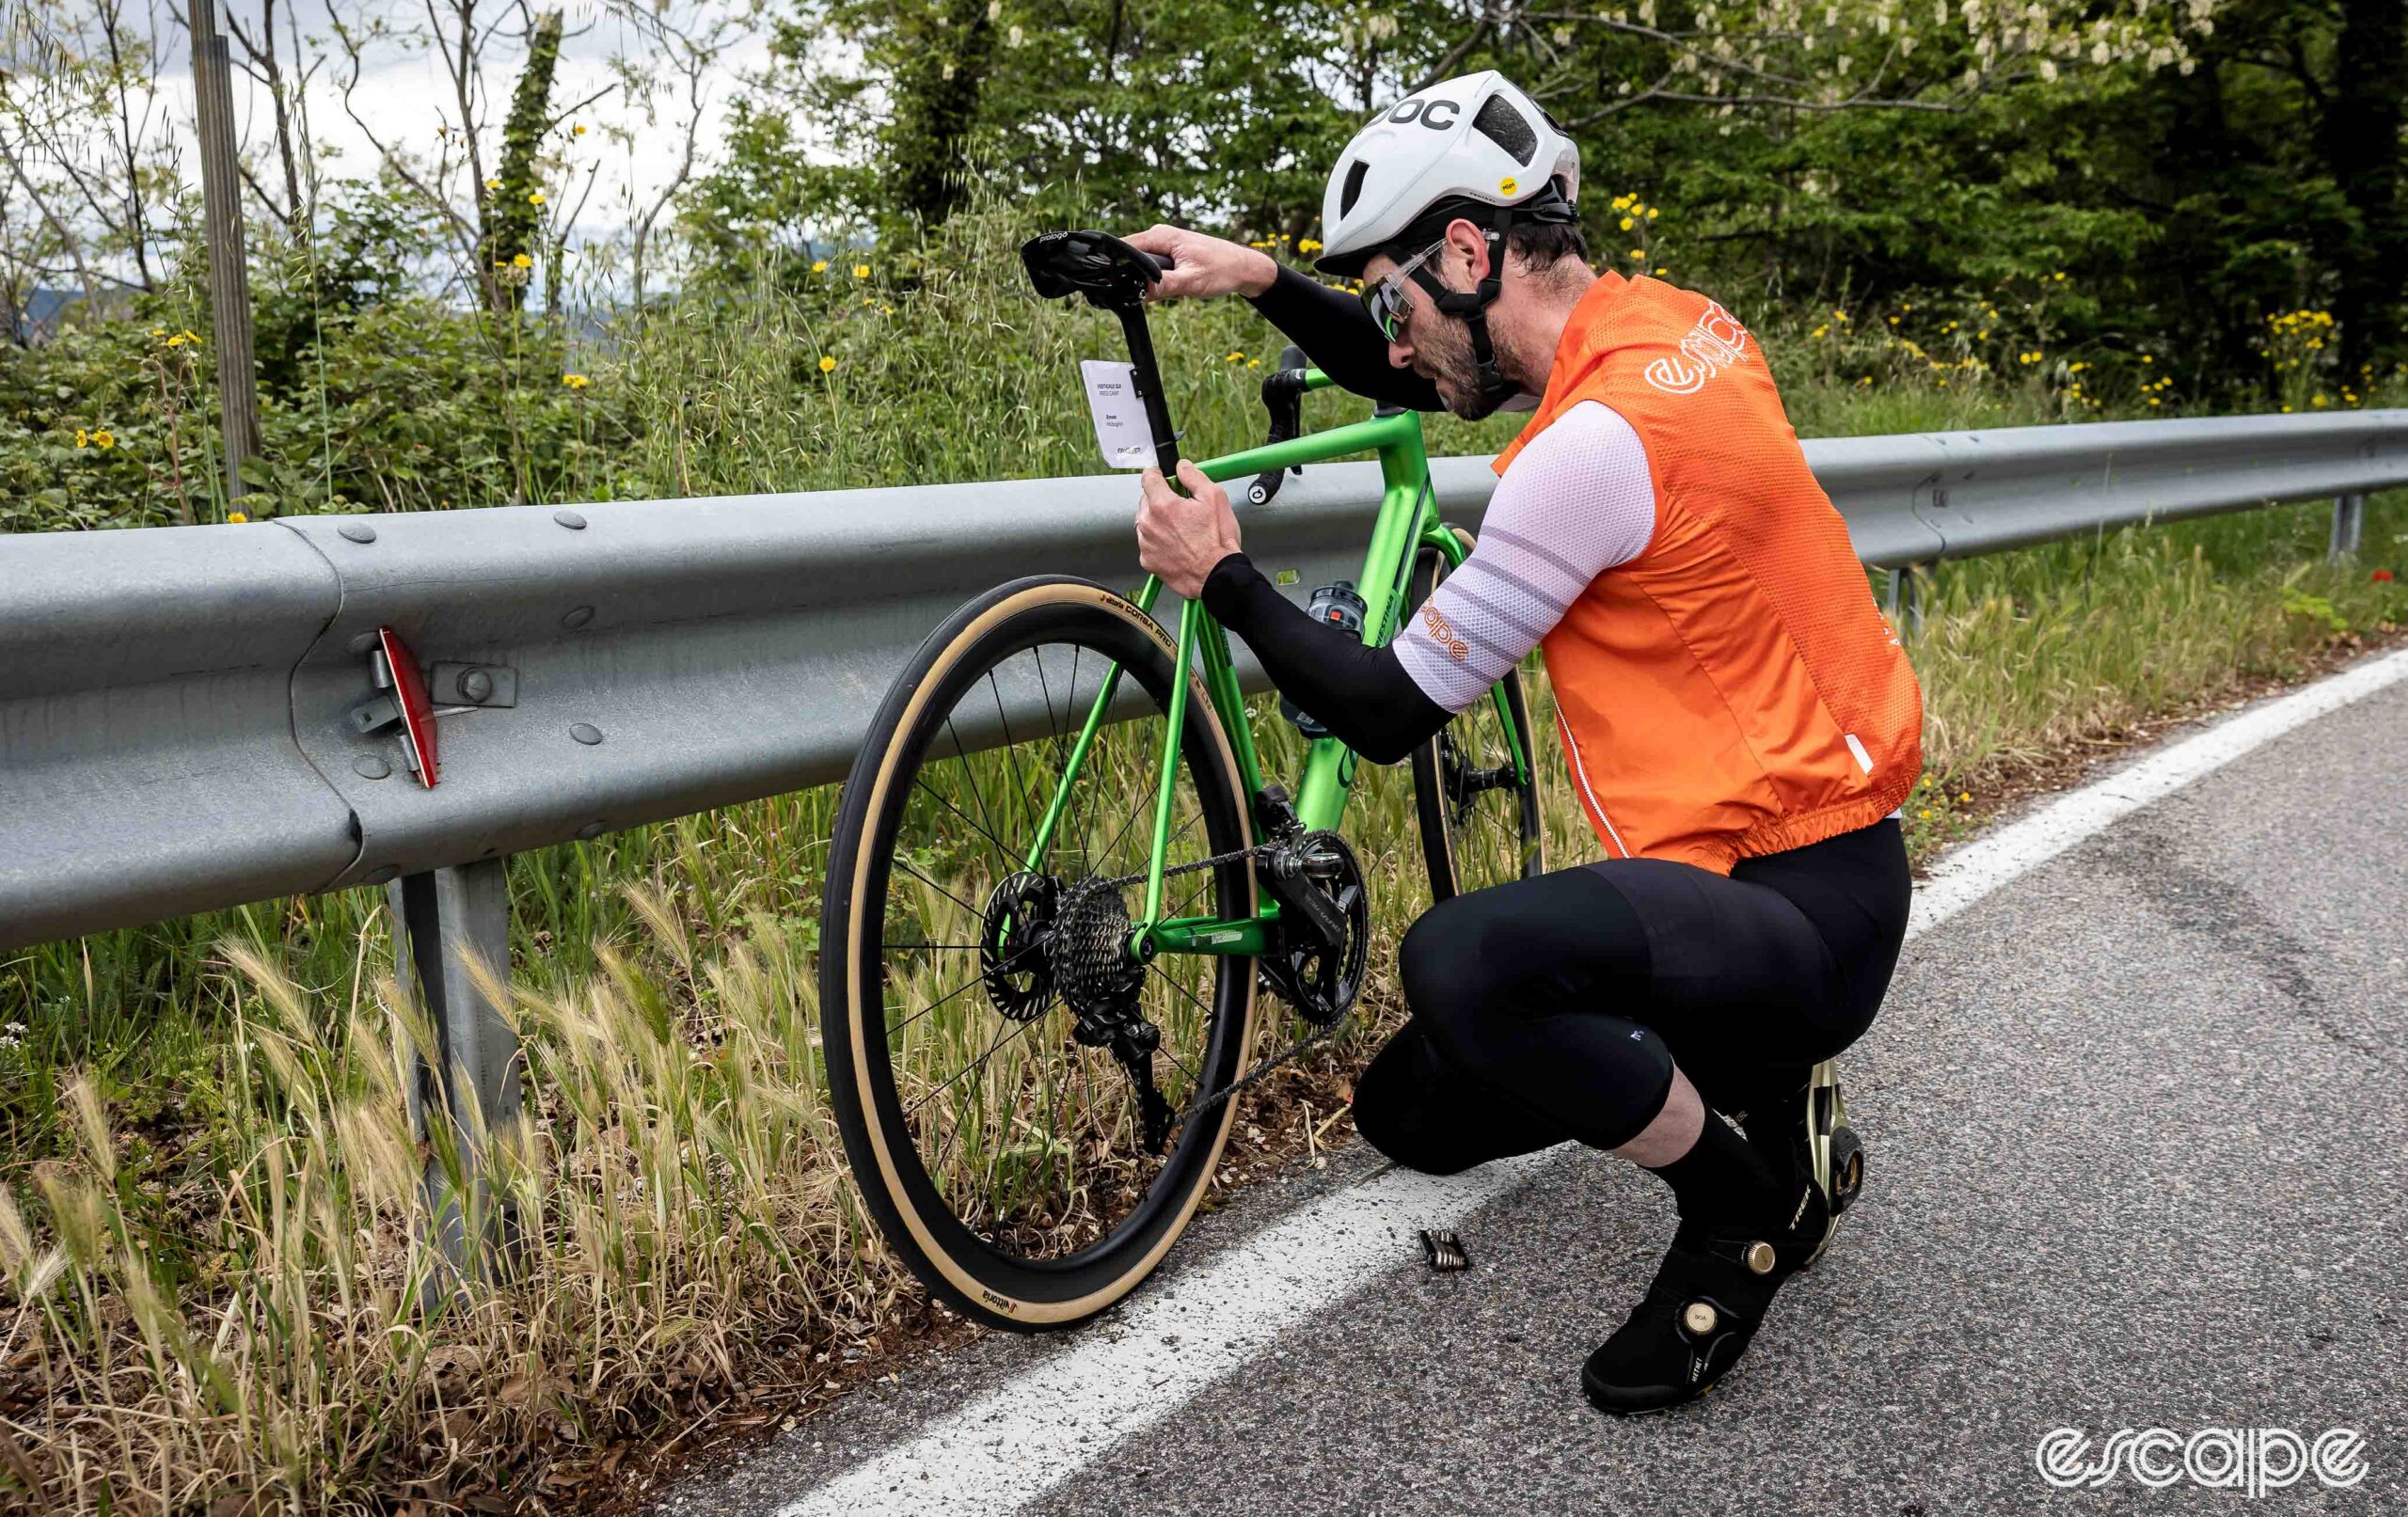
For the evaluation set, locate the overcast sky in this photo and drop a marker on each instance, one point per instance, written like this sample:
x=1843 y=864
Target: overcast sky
x=403 y=94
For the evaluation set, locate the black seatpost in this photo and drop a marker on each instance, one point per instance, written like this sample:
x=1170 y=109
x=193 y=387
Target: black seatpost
x=1149 y=388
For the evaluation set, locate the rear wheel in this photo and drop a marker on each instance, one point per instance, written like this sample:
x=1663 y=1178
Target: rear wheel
x=1011 y=1084
x=1478 y=804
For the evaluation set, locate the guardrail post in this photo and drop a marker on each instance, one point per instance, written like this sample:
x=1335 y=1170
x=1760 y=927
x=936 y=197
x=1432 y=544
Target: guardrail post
x=440 y=918
x=2348 y=521
x=1910 y=576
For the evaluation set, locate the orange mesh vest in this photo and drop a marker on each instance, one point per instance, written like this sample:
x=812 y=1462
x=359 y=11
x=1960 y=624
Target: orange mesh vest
x=1734 y=690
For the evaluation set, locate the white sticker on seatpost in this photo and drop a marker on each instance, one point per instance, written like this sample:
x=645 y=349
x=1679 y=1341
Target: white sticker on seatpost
x=1121 y=427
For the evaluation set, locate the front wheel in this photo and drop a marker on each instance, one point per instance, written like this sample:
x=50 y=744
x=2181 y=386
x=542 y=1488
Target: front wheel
x=1020 y=1097
x=1476 y=783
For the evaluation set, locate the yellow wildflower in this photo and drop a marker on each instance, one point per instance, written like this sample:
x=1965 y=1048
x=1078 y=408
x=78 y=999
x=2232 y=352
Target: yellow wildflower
x=520 y=261
x=577 y=130
x=493 y=184
x=861 y=271
x=820 y=267
x=83 y=438
x=1626 y=223
x=535 y=198
x=1640 y=253
x=827 y=363
x=103 y=439
x=1964 y=794
x=575 y=381
x=1651 y=213
x=1308 y=244
x=237 y=517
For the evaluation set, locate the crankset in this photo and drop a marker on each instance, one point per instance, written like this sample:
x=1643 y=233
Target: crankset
x=1323 y=939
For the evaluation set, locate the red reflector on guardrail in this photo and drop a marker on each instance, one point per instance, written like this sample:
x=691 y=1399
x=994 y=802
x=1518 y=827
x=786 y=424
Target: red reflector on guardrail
x=417 y=713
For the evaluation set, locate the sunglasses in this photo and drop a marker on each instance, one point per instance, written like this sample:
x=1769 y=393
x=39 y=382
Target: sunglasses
x=1388 y=301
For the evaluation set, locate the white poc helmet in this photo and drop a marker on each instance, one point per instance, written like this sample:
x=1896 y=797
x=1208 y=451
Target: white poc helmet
x=1476 y=138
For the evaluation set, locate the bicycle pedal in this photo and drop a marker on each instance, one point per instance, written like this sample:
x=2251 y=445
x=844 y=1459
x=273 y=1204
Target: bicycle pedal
x=1444 y=1250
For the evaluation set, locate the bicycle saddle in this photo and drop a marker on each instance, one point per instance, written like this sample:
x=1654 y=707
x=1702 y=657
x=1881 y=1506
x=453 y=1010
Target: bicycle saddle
x=1109 y=271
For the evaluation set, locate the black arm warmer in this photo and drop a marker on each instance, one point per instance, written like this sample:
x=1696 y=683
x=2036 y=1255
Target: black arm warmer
x=1362 y=695
x=1335 y=332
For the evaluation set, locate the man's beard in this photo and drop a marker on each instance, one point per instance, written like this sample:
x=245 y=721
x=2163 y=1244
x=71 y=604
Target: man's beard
x=1451 y=358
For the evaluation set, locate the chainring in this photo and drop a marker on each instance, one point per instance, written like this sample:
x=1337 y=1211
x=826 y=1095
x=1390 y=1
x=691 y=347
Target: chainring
x=1320 y=979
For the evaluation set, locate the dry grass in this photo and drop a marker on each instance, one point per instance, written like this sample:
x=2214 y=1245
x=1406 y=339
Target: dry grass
x=211 y=1216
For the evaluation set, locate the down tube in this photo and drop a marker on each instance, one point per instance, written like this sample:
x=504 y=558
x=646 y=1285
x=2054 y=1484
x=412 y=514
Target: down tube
x=1329 y=769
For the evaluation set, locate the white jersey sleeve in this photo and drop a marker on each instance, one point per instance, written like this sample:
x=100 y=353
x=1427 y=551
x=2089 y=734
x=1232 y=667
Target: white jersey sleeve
x=1577 y=501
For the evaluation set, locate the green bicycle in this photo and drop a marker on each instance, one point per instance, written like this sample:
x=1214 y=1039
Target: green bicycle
x=1059 y=877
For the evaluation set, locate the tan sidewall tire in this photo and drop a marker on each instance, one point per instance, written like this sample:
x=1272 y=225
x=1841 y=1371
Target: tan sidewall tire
x=955 y=1278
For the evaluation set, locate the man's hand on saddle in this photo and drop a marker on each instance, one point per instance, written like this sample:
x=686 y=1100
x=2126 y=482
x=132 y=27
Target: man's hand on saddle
x=1203 y=265
x=1181 y=537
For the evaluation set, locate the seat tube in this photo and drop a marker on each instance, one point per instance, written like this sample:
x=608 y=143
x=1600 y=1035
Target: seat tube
x=1191 y=618
x=1404 y=474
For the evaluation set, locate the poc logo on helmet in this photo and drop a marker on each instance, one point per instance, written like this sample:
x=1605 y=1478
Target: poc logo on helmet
x=1428 y=113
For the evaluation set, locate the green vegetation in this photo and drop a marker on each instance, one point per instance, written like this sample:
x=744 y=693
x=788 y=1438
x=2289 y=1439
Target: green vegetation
x=1981 y=215
x=210 y=1183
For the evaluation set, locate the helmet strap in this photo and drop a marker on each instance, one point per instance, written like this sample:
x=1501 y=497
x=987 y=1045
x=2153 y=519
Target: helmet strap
x=1471 y=307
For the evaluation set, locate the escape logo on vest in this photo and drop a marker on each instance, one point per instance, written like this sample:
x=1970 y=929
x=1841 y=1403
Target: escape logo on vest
x=1714 y=344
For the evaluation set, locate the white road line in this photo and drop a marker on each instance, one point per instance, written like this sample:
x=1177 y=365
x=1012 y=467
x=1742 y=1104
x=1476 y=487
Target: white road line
x=1011 y=1447
x=1969 y=873
x=1013 y=1444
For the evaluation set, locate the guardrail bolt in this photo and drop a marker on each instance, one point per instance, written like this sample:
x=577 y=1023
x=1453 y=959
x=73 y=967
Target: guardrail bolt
x=577 y=618
x=569 y=519
x=358 y=531
x=474 y=685
x=586 y=732
x=368 y=766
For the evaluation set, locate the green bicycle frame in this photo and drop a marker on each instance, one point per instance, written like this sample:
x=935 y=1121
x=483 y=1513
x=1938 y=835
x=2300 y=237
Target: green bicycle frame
x=1407 y=523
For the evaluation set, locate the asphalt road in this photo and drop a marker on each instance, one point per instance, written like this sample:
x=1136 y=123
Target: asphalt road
x=2137 y=1133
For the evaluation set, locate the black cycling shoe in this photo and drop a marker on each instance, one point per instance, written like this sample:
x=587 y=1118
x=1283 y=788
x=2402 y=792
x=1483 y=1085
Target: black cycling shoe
x=1703 y=1307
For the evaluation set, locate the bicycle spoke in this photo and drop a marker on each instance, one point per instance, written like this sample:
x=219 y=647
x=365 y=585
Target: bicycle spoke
x=1030 y=1135
x=1003 y=856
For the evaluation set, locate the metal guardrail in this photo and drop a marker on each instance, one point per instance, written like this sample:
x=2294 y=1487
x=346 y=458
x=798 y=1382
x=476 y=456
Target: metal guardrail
x=175 y=702
x=176 y=729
